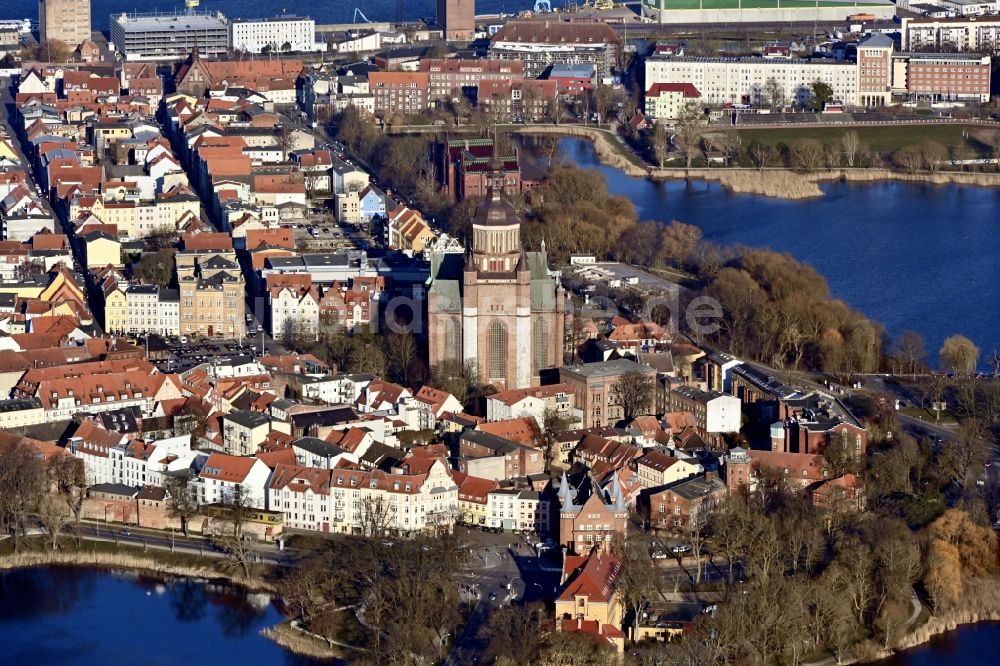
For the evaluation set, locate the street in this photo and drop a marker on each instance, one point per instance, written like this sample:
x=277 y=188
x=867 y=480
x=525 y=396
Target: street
x=172 y=542
x=495 y=561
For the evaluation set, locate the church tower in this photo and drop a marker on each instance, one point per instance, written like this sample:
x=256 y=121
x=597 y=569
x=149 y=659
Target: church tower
x=505 y=302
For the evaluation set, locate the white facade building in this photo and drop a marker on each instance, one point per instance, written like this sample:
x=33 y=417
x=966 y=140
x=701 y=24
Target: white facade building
x=334 y=389
x=744 y=80
x=143 y=308
x=254 y=35
x=168 y=312
x=221 y=473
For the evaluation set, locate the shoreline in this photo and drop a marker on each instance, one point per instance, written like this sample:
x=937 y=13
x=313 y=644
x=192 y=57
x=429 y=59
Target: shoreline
x=148 y=563
x=936 y=625
x=144 y=562
x=774 y=182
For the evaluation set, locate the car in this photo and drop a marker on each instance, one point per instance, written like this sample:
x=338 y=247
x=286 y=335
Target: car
x=658 y=555
x=680 y=549
x=182 y=339
x=325 y=230
x=493 y=596
x=126 y=532
x=249 y=317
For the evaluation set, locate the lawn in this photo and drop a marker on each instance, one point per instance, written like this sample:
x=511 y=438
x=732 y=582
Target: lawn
x=881 y=138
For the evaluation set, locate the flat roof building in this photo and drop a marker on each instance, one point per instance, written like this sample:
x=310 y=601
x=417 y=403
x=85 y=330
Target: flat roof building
x=169 y=36
x=273 y=35
x=67 y=21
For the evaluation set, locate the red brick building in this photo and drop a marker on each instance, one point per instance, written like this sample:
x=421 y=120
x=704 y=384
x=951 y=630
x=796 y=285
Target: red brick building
x=470 y=168
x=458 y=18
x=451 y=78
x=517 y=101
x=403 y=93
x=679 y=507
x=946 y=76
x=845 y=493
x=589 y=517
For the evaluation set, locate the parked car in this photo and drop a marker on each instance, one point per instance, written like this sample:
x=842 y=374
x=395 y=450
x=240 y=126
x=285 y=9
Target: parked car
x=658 y=555
x=680 y=549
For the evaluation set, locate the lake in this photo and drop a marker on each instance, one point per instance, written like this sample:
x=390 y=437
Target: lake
x=969 y=645
x=328 y=11
x=911 y=256
x=65 y=615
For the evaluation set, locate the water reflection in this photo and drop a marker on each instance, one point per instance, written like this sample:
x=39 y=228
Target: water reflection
x=188 y=600
x=36 y=596
x=86 y=616
x=913 y=256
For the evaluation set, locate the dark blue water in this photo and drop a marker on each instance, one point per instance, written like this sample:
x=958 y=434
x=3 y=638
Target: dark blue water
x=83 y=616
x=912 y=256
x=328 y=11
x=969 y=645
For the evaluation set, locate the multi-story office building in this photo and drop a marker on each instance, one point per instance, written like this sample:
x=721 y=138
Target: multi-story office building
x=959 y=34
x=745 y=80
x=403 y=93
x=451 y=78
x=169 y=36
x=67 y=21
x=254 y=35
x=961 y=77
x=878 y=75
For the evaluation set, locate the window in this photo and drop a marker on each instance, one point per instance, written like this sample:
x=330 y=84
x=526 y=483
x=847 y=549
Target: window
x=497 y=350
x=540 y=343
x=452 y=339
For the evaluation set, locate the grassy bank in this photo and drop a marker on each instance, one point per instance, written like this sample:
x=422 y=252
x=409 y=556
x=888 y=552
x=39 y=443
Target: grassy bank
x=785 y=183
x=36 y=552
x=302 y=643
x=877 y=138
x=607 y=147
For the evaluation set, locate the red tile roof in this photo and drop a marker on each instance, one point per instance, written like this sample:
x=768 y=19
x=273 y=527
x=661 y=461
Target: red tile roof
x=594 y=576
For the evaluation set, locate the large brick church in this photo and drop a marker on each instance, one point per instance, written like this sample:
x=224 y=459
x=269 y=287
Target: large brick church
x=499 y=307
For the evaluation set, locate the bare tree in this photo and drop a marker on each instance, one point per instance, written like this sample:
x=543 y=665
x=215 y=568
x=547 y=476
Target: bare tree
x=634 y=393
x=933 y=155
x=908 y=158
x=775 y=94
x=850 y=143
x=806 y=154
x=603 y=99
x=960 y=354
x=54 y=515
x=376 y=516
x=661 y=144
x=687 y=132
x=70 y=476
x=761 y=155
x=910 y=352
x=23 y=483
x=968 y=452
x=554 y=423
x=237 y=509
x=639 y=578
x=182 y=502
x=401 y=351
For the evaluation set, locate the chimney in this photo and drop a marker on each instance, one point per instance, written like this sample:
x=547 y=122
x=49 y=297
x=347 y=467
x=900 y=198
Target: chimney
x=710 y=475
